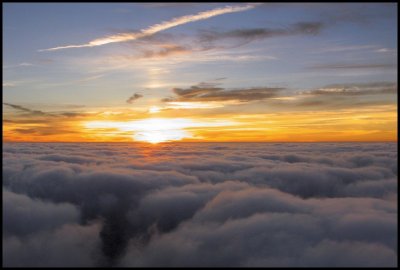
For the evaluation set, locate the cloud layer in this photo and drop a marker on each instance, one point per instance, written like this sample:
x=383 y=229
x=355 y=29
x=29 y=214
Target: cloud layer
x=205 y=204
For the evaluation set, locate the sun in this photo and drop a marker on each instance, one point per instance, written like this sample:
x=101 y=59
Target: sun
x=154 y=109
x=158 y=136
x=154 y=130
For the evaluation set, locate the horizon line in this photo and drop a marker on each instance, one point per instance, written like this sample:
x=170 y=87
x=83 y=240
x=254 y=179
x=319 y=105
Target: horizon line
x=169 y=142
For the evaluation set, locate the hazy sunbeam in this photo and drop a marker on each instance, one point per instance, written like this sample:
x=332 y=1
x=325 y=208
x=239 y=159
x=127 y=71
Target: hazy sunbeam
x=155 y=130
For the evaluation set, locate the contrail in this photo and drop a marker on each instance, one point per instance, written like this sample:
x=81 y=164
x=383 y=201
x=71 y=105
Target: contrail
x=158 y=27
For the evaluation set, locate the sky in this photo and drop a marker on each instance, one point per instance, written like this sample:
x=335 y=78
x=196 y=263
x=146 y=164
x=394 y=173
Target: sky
x=158 y=72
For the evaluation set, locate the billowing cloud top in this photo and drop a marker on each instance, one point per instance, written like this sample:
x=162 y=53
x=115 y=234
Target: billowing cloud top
x=209 y=204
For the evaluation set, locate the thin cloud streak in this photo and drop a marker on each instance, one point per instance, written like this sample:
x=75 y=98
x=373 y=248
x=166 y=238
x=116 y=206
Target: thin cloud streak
x=354 y=66
x=208 y=92
x=23 y=109
x=122 y=37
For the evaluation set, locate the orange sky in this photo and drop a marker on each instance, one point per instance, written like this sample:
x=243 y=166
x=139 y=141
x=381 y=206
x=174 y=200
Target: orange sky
x=375 y=123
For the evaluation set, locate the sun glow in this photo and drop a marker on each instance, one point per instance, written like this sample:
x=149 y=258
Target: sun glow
x=157 y=136
x=156 y=130
x=154 y=109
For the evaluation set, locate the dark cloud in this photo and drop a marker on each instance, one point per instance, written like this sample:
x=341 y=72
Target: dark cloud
x=70 y=245
x=26 y=121
x=68 y=159
x=348 y=254
x=72 y=114
x=39 y=123
x=33 y=113
x=208 y=204
x=244 y=36
x=166 y=51
x=42 y=234
x=208 y=92
x=133 y=98
x=25 y=130
x=311 y=103
x=51 y=128
x=329 y=96
x=160 y=38
x=20 y=210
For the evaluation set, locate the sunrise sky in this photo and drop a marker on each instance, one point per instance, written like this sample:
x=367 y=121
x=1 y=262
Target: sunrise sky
x=199 y=72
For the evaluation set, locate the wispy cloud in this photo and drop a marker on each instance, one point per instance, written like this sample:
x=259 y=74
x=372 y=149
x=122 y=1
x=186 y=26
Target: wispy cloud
x=248 y=35
x=344 y=48
x=90 y=78
x=9 y=84
x=23 y=109
x=205 y=41
x=347 y=95
x=122 y=37
x=355 y=89
x=385 y=50
x=24 y=64
x=209 y=45
x=23 y=122
x=33 y=113
x=206 y=92
x=209 y=95
x=166 y=51
x=354 y=66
